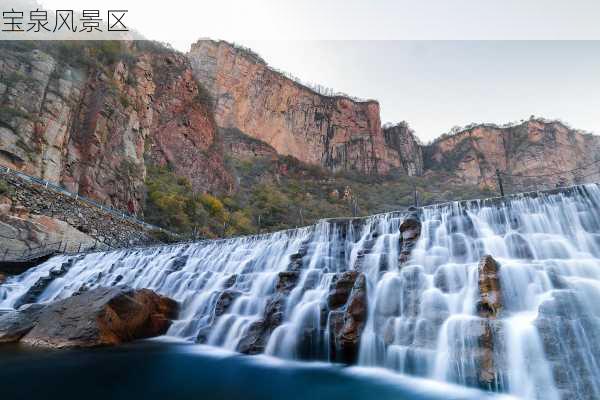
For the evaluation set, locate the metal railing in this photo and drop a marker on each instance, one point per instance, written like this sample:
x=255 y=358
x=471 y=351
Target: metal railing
x=107 y=209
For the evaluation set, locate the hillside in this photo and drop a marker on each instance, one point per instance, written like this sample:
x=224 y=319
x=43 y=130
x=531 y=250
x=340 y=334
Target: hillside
x=217 y=143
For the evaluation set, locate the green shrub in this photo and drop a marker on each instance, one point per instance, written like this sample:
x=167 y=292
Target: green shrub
x=4 y=188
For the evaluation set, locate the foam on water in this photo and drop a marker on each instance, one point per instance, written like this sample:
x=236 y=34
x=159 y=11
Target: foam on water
x=421 y=316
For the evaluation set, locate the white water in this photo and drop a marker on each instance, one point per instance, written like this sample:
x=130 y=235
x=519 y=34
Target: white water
x=422 y=317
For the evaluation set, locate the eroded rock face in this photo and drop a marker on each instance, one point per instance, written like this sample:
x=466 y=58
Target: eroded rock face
x=402 y=139
x=347 y=301
x=410 y=232
x=533 y=147
x=340 y=289
x=335 y=132
x=257 y=335
x=16 y=324
x=489 y=308
x=99 y=317
x=490 y=303
x=94 y=129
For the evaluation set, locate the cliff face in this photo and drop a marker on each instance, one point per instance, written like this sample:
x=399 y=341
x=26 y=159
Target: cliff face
x=533 y=148
x=403 y=140
x=335 y=132
x=91 y=127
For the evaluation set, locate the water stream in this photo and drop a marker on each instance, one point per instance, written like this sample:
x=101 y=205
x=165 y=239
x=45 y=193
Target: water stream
x=422 y=315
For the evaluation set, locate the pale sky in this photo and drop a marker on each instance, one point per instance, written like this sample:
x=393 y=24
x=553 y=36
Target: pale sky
x=376 y=49
x=435 y=85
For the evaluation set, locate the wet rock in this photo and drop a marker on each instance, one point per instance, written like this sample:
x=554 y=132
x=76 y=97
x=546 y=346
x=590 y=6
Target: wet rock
x=412 y=285
x=230 y=281
x=410 y=231
x=557 y=280
x=2 y=278
x=16 y=324
x=42 y=283
x=459 y=247
x=253 y=342
x=441 y=280
x=257 y=336
x=489 y=307
x=566 y=304
x=517 y=246
x=461 y=224
x=225 y=300
x=101 y=317
x=340 y=289
x=222 y=304
x=346 y=326
x=286 y=281
x=178 y=263
x=490 y=302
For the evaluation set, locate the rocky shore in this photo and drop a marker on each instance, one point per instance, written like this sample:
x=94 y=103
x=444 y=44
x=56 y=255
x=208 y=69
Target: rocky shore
x=98 y=317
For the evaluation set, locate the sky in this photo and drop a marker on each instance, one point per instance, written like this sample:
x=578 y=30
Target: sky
x=499 y=61
x=435 y=85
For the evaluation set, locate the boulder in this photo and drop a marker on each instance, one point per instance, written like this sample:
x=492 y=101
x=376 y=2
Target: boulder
x=225 y=300
x=340 y=289
x=410 y=231
x=287 y=281
x=489 y=307
x=16 y=324
x=98 y=317
x=257 y=336
x=346 y=326
x=490 y=302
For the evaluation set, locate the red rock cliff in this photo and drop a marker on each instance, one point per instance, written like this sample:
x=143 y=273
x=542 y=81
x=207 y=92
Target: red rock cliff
x=533 y=148
x=93 y=127
x=336 y=132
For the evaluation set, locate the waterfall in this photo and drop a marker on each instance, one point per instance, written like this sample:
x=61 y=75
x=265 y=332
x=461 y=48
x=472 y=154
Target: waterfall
x=289 y=294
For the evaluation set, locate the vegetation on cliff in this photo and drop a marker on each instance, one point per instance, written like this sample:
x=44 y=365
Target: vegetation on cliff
x=177 y=172
x=281 y=193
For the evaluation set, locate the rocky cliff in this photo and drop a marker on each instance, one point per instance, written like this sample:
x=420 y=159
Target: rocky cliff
x=533 y=153
x=145 y=129
x=402 y=139
x=336 y=132
x=90 y=116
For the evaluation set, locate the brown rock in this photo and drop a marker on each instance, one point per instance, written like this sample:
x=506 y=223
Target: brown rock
x=336 y=132
x=410 y=231
x=532 y=147
x=94 y=133
x=488 y=307
x=340 y=289
x=490 y=303
x=346 y=326
x=101 y=317
x=225 y=300
x=286 y=281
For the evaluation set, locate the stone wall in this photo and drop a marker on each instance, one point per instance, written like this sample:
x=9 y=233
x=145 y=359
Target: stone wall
x=32 y=215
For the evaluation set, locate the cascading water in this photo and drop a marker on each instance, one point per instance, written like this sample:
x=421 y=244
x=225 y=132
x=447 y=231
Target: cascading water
x=313 y=293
